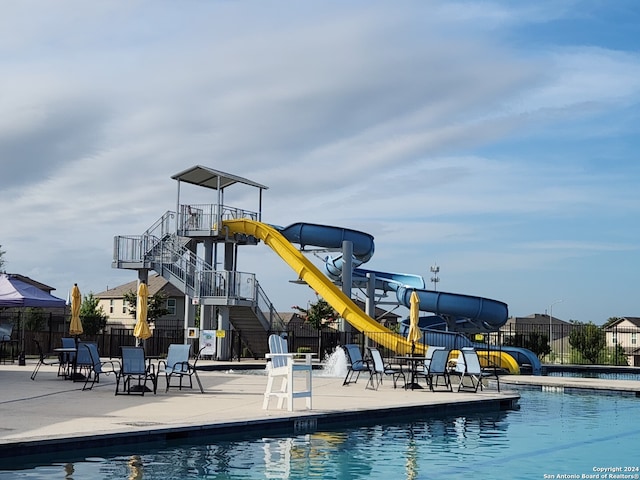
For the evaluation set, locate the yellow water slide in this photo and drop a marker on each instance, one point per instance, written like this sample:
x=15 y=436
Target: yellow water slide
x=324 y=287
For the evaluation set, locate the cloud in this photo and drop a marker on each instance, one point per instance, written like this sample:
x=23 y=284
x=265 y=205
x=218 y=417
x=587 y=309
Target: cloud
x=445 y=129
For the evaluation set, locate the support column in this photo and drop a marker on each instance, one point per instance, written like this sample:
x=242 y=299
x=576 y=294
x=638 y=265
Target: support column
x=143 y=276
x=207 y=314
x=189 y=316
x=223 y=344
x=347 y=270
x=370 y=305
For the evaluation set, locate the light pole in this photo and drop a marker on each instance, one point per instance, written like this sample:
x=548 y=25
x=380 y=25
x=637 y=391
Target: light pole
x=435 y=269
x=551 y=320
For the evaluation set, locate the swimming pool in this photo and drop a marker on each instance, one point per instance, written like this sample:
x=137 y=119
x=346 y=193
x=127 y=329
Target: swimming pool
x=551 y=435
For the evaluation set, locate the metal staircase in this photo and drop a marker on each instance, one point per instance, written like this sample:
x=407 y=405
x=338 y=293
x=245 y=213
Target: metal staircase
x=162 y=250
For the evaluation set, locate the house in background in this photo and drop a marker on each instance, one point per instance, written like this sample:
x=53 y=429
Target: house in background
x=551 y=327
x=625 y=332
x=115 y=306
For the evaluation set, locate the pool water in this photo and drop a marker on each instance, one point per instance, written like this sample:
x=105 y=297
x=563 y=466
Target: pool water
x=552 y=434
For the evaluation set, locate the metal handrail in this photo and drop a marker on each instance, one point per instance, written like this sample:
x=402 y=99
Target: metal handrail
x=163 y=250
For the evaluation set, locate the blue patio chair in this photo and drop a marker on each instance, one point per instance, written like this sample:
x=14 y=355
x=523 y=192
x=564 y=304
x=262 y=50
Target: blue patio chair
x=83 y=363
x=177 y=365
x=378 y=369
x=135 y=373
x=424 y=371
x=355 y=363
x=98 y=367
x=67 y=358
x=439 y=369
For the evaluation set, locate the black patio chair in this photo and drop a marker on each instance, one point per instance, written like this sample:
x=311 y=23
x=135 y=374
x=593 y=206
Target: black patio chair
x=43 y=359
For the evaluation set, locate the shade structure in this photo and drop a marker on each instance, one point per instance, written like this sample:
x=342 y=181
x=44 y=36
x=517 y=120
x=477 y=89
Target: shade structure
x=16 y=293
x=414 y=335
x=75 y=327
x=141 y=330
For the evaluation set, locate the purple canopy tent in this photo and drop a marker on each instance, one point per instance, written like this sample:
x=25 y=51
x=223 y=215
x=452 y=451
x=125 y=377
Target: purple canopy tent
x=16 y=293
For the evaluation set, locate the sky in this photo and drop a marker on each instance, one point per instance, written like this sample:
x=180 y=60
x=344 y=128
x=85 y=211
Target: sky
x=495 y=139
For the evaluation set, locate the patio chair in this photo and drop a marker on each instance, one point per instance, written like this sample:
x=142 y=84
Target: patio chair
x=177 y=364
x=67 y=358
x=379 y=369
x=423 y=372
x=355 y=363
x=439 y=369
x=468 y=366
x=98 y=367
x=83 y=363
x=6 y=344
x=43 y=359
x=283 y=367
x=135 y=373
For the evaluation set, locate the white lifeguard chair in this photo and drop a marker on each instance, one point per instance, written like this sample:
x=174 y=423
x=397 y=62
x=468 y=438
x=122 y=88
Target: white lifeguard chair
x=292 y=374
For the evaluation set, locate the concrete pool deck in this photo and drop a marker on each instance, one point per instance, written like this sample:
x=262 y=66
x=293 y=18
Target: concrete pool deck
x=51 y=414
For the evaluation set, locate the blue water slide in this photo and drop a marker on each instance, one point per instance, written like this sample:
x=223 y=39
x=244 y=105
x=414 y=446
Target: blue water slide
x=464 y=313
x=385 y=281
x=525 y=358
x=330 y=237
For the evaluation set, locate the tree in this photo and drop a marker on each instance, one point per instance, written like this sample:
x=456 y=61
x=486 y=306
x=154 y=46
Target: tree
x=617 y=356
x=588 y=339
x=2 y=252
x=35 y=319
x=92 y=315
x=318 y=314
x=610 y=321
x=156 y=307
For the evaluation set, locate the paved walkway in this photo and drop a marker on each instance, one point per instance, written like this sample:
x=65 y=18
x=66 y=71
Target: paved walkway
x=50 y=413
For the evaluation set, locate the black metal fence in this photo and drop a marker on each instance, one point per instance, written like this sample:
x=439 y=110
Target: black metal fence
x=576 y=344
x=561 y=344
x=53 y=327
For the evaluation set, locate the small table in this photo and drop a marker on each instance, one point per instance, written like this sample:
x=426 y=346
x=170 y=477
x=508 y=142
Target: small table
x=413 y=362
x=62 y=350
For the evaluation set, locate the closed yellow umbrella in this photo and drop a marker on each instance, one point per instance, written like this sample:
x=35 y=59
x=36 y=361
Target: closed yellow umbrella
x=141 y=330
x=75 y=327
x=414 y=334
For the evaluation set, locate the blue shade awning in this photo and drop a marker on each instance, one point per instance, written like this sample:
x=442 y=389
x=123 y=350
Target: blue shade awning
x=16 y=293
